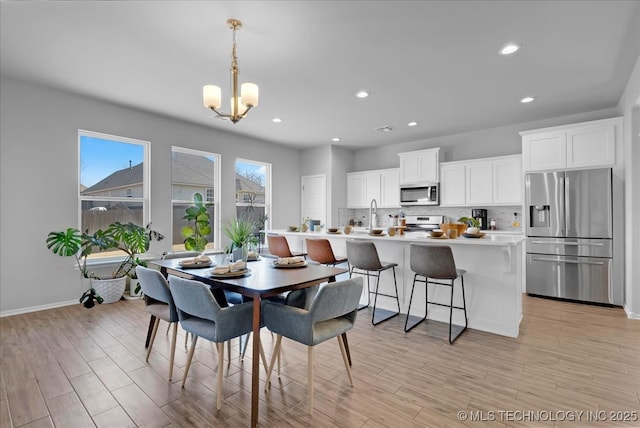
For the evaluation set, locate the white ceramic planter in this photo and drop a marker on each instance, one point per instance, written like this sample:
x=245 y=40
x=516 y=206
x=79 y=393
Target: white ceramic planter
x=111 y=290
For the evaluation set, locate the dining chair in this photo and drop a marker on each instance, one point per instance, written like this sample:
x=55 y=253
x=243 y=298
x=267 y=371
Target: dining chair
x=201 y=315
x=436 y=262
x=159 y=303
x=364 y=260
x=331 y=313
x=279 y=247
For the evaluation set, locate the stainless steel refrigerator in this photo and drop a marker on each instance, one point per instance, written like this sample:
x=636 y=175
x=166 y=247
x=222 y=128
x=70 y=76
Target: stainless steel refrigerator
x=570 y=235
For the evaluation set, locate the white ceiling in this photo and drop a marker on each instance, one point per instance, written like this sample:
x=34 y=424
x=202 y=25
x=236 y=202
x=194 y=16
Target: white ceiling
x=429 y=61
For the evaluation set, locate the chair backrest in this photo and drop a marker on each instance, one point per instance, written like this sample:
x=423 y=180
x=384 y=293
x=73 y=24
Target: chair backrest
x=278 y=246
x=154 y=285
x=432 y=261
x=363 y=255
x=336 y=299
x=319 y=250
x=180 y=255
x=194 y=299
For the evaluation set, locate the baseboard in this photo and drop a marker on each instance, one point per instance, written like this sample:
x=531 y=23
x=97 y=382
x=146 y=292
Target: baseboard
x=38 y=308
x=630 y=314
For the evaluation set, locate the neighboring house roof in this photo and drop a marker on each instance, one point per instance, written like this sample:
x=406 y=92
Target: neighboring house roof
x=191 y=170
x=119 y=179
x=245 y=185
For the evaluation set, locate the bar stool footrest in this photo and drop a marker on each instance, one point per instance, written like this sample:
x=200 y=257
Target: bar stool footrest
x=381 y=315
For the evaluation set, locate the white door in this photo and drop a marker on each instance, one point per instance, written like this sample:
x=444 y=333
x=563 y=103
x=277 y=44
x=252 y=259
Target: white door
x=314 y=197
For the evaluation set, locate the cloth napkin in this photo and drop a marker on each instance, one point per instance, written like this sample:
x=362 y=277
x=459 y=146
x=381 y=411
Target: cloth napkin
x=233 y=267
x=196 y=261
x=289 y=260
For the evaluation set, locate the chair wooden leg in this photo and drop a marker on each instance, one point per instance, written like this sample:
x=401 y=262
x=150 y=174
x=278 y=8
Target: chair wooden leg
x=229 y=352
x=263 y=357
x=186 y=339
x=189 y=358
x=220 y=369
x=174 y=336
x=344 y=357
x=153 y=337
x=276 y=351
x=310 y=380
x=246 y=344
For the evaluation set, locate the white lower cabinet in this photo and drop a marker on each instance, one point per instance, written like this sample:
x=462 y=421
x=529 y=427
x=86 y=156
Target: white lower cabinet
x=482 y=182
x=382 y=185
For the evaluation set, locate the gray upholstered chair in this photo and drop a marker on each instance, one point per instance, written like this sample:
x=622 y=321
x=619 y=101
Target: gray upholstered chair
x=435 y=262
x=202 y=316
x=363 y=259
x=331 y=313
x=159 y=303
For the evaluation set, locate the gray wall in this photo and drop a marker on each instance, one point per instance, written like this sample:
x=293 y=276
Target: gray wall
x=39 y=167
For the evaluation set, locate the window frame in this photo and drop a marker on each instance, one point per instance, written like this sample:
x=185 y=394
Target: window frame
x=146 y=185
x=216 y=225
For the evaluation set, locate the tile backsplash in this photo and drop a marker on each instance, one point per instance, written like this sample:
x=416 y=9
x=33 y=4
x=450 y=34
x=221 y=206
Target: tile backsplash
x=502 y=214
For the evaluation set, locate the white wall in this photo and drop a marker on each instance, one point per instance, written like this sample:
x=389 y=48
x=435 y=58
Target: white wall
x=39 y=169
x=470 y=145
x=629 y=107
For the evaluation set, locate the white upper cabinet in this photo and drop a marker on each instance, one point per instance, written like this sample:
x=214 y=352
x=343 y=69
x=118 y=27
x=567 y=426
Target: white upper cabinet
x=419 y=167
x=582 y=145
x=452 y=184
x=481 y=182
x=507 y=180
x=381 y=185
x=390 y=188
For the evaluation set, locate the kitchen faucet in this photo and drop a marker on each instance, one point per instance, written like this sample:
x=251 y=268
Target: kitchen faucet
x=373 y=213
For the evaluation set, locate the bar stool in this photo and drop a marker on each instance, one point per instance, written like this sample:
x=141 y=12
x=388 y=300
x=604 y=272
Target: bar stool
x=363 y=256
x=436 y=262
x=278 y=246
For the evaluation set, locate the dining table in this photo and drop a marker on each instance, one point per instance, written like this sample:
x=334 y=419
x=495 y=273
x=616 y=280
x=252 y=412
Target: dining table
x=262 y=279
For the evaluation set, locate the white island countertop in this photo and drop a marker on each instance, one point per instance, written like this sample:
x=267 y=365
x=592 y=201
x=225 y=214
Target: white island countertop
x=493 y=281
x=413 y=237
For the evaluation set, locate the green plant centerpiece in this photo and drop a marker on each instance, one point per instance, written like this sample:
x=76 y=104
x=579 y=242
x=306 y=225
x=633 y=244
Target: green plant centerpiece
x=241 y=234
x=470 y=221
x=130 y=238
x=195 y=234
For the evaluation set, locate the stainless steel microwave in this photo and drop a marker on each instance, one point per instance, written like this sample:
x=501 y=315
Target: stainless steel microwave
x=428 y=194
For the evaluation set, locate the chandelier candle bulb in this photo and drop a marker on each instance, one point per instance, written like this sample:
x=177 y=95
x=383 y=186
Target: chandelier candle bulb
x=212 y=95
x=249 y=94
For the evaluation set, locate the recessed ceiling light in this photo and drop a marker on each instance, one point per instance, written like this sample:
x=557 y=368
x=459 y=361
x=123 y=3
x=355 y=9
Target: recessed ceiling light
x=526 y=100
x=276 y=120
x=362 y=94
x=412 y=123
x=335 y=139
x=509 y=49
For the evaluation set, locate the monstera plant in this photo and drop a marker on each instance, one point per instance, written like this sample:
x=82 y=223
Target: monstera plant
x=195 y=234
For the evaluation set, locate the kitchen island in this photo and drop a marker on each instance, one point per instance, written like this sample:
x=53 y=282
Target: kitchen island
x=493 y=282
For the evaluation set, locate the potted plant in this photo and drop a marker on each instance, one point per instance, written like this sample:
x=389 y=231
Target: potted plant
x=195 y=235
x=241 y=233
x=469 y=221
x=130 y=238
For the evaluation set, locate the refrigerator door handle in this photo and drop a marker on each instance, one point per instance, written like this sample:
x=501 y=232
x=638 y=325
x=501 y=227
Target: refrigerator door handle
x=576 y=262
x=577 y=244
x=567 y=205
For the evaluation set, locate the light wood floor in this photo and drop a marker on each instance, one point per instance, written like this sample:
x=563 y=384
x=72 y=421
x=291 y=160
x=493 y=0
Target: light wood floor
x=73 y=367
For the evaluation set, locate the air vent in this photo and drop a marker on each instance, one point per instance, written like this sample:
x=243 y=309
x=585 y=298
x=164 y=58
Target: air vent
x=387 y=128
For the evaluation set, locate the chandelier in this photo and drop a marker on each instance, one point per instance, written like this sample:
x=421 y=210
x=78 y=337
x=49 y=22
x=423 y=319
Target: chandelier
x=240 y=105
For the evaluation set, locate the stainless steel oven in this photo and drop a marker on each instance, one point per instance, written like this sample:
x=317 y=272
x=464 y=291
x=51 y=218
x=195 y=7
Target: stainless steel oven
x=420 y=195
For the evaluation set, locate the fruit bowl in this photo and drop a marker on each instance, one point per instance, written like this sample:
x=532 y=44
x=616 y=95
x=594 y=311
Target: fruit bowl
x=448 y=227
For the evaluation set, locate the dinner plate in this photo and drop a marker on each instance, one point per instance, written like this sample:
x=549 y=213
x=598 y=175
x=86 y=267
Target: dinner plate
x=194 y=265
x=290 y=266
x=439 y=237
x=473 y=235
x=334 y=233
x=237 y=274
x=377 y=234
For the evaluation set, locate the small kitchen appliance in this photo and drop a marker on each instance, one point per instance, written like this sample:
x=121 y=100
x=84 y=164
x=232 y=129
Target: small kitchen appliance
x=480 y=215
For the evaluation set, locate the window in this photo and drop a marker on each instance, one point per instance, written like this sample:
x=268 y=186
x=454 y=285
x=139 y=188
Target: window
x=113 y=181
x=253 y=191
x=192 y=172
